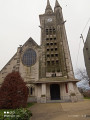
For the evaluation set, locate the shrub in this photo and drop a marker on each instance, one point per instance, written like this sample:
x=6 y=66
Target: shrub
x=87 y=93
x=13 y=92
x=17 y=114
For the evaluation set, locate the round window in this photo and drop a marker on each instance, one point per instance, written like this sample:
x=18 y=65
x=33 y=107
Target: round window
x=29 y=57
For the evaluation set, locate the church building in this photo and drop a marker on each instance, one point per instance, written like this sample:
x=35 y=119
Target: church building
x=46 y=68
x=86 y=51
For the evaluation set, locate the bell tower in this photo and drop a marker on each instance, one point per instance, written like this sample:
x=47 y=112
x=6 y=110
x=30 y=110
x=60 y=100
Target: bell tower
x=47 y=68
x=56 y=60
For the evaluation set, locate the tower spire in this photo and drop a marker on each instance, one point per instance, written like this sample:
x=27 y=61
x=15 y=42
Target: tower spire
x=48 y=3
x=57 y=4
x=48 y=9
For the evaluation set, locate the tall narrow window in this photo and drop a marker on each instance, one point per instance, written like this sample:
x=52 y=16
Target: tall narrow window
x=51 y=43
x=46 y=31
x=47 y=44
x=57 y=62
x=56 y=55
x=31 y=91
x=53 y=62
x=50 y=30
x=52 y=55
x=48 y=62
x=55 y=49
x=51 y=49
x=66 y=86
x=54 y=31
x=50 y=38
x=47 y=49
x=48 y=55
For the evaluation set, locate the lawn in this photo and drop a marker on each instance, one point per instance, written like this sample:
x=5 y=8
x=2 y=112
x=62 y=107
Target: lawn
x=30 y=104
x=86 y=97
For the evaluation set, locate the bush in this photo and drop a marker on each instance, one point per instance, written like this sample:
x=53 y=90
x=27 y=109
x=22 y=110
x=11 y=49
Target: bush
x=18 y=114
x=87 y=93
x=13 y=92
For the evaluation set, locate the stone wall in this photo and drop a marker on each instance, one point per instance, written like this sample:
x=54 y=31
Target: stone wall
x=15 y=64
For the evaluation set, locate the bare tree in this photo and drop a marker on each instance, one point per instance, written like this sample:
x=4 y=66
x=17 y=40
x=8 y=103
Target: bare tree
x=81 y=74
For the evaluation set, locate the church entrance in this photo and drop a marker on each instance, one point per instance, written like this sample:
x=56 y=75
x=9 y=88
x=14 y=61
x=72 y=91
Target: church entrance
x=55 y=91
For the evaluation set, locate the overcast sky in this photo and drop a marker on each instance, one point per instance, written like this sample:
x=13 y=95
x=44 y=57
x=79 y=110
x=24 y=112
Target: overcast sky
x=19 y=20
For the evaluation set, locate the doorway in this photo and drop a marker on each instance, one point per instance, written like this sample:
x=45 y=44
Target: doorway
x=55 y=91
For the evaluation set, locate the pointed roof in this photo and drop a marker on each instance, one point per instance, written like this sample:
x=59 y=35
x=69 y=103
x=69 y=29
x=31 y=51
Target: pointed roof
x=48 y=9
x=89 y=33
x=57 y=4
x=31 y=42
x=48 y=3
x=88 y=36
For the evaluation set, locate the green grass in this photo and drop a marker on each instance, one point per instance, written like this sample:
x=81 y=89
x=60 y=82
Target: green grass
x=86 y=97
x=30 y=104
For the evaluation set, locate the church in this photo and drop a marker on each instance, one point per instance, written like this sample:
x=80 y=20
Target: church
x=86 y=51
x=46 y=68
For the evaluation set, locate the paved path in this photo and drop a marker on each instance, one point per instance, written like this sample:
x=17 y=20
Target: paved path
x=61 y=111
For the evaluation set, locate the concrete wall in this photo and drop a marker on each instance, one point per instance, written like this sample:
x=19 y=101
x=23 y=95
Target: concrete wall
x=64 y=95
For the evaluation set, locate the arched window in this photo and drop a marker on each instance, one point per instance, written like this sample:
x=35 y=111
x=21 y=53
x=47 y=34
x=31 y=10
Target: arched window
x=29 y=57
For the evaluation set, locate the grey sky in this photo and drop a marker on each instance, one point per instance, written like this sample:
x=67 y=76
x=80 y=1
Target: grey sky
x=19 y=20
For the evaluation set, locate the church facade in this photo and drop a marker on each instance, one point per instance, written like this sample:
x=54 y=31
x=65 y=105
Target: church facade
x=46 y=68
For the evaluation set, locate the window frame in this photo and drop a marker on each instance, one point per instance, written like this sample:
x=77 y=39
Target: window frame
x=29 y=57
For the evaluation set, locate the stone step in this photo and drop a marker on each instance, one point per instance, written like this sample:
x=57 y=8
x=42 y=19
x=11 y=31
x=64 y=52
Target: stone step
x=57 y=101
